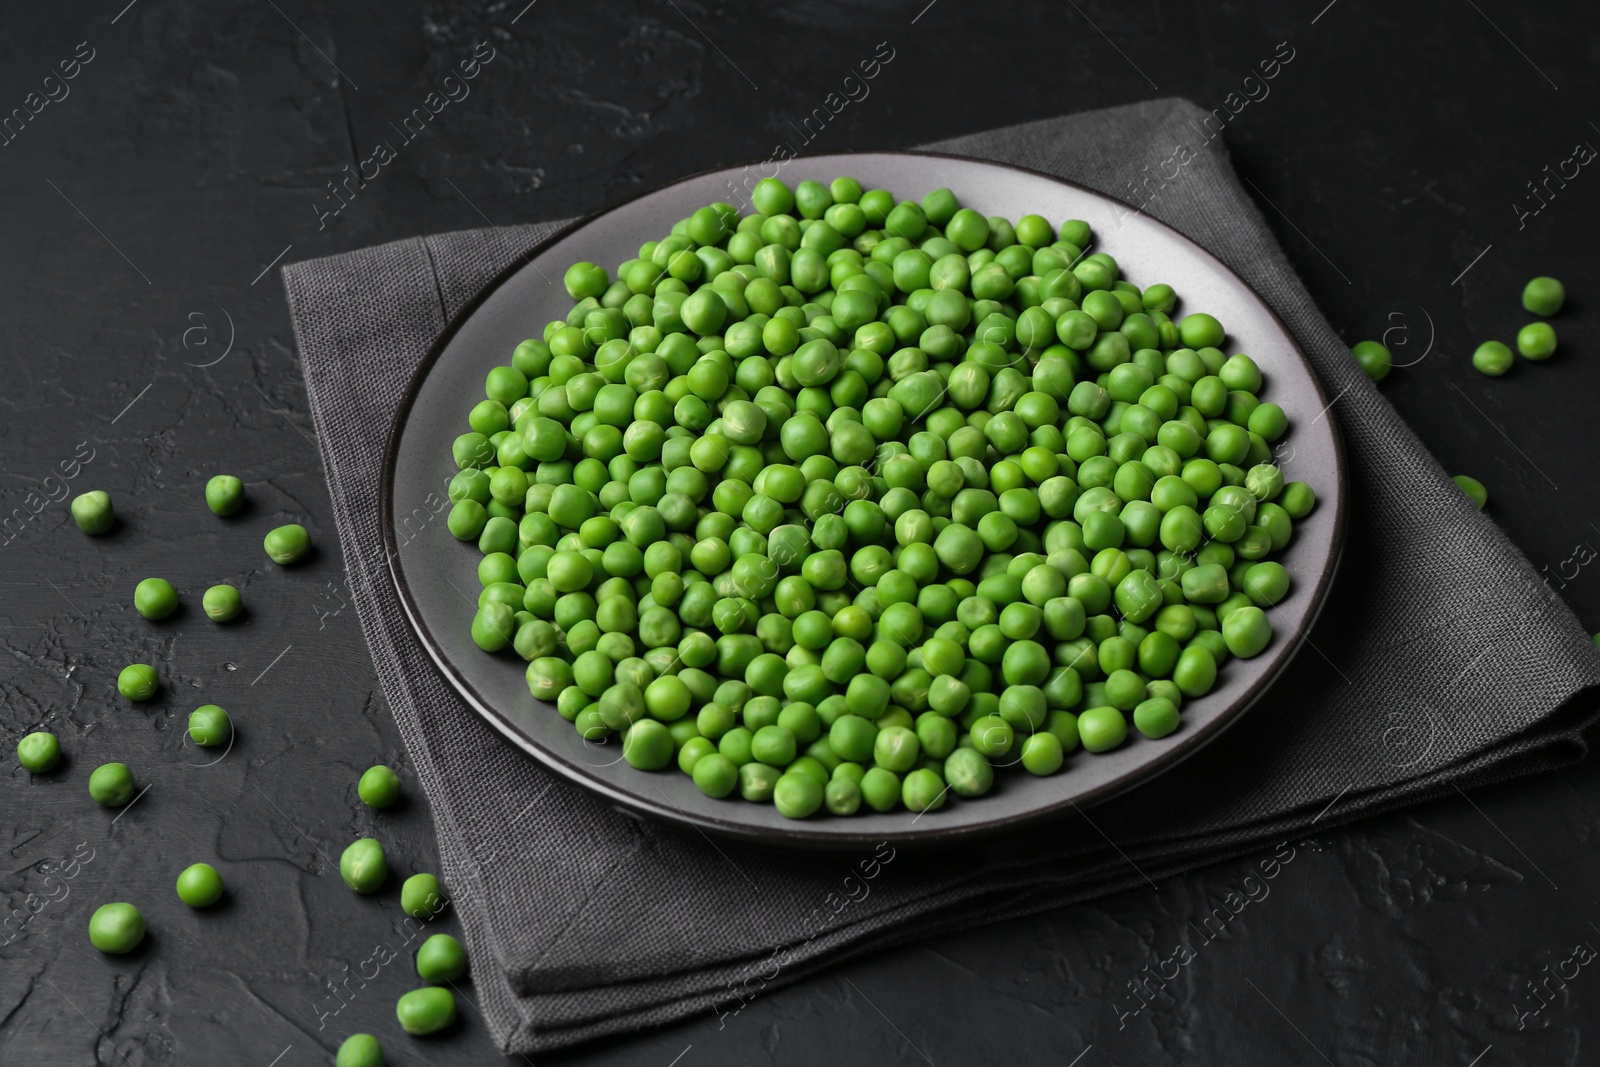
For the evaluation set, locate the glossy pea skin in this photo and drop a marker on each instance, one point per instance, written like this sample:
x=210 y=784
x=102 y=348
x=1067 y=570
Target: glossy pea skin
x=1156 y=717
x=1492 y=358
x=1537 y=341
x=797 y=795
x=421 y=897
x=1544 y=296
x=111 y=784
x=209 y=725
x=647 y=745
x=426 y=1011
x=968 y=772
x=1374 y=359
x=360 y=1050
x=1474 y=489
x=1246 y=631
x=199 y=886
x=379 y=787
x=155 y=599
x=1102 y=729
x=93 y=513
x=923 y=790
x=39 y=752
x=116 y=928
x=441 y=959
x=224 y=495
x=363 y=866
x=1042 y=754
x=222 y=603
x=288 y=544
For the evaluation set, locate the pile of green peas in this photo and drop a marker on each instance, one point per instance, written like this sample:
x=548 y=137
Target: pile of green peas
x=846 y=502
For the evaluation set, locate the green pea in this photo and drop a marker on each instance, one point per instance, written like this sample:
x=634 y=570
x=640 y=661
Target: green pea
x=1492 y=358
x=1537 y=341
x=200 y=886
x=441 y=959
x=39 y=752
x=155 y=599
x=225 y=494
x=420 y=897
x=923 y=790
x=222 y=603
x=1042 y=754
x=1543 y=296
x=288 y=544
x=426 y=1011
x=116 y=928
x=1246 y=631
x=992 y=736
x=111 y=784
x=1474 y=489
x=797 y=795
x=1200 y=330
x=93 y=513
x=360 y=1050
x=880 y=789
x=715 y=775
x=379 y=787
x=968 y=772
x=1374 y=359
x=647 y=745
x=363 y=866
x=209 y=726
x=1102 y=729
x=1156 y=717
x=1298 y=499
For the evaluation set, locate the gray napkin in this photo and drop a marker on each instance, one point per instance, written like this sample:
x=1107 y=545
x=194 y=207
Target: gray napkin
x=1440 y=663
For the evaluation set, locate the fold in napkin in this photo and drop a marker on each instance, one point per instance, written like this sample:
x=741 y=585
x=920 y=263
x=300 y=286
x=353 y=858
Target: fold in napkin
x=1440 y=662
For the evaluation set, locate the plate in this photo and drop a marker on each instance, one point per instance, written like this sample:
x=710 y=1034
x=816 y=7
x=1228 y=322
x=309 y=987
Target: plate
x=436 y=576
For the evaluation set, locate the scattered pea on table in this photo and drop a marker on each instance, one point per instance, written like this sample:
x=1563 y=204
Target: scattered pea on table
x=200 y=886
x=39 y=752
x=441 y=959
x=420 y=896
x=426 y=1011
x=1492 y=358
x=360 y=1050
x=379 y=787
x=224 y=494
x=116 y=928
x=1537 y=341
x=155 y=599
x=209 y=725
x=111 y=784
x=93 y=513
x=287 y=544
x=138 y=682
x=363 y=866
x=222 y=603
x=1544 y=296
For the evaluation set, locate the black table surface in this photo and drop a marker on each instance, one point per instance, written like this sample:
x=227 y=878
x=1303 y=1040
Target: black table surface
x=1419 y=162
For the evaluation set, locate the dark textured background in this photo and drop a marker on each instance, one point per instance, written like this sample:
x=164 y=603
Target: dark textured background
x=140 y=211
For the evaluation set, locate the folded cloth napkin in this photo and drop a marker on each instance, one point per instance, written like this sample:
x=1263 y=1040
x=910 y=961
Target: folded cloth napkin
x=1440 y=662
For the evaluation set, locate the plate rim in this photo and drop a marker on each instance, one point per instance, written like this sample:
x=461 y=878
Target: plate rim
x=800 y=836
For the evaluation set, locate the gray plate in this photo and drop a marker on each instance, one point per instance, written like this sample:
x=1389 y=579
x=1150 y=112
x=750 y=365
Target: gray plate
x=436 y=575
